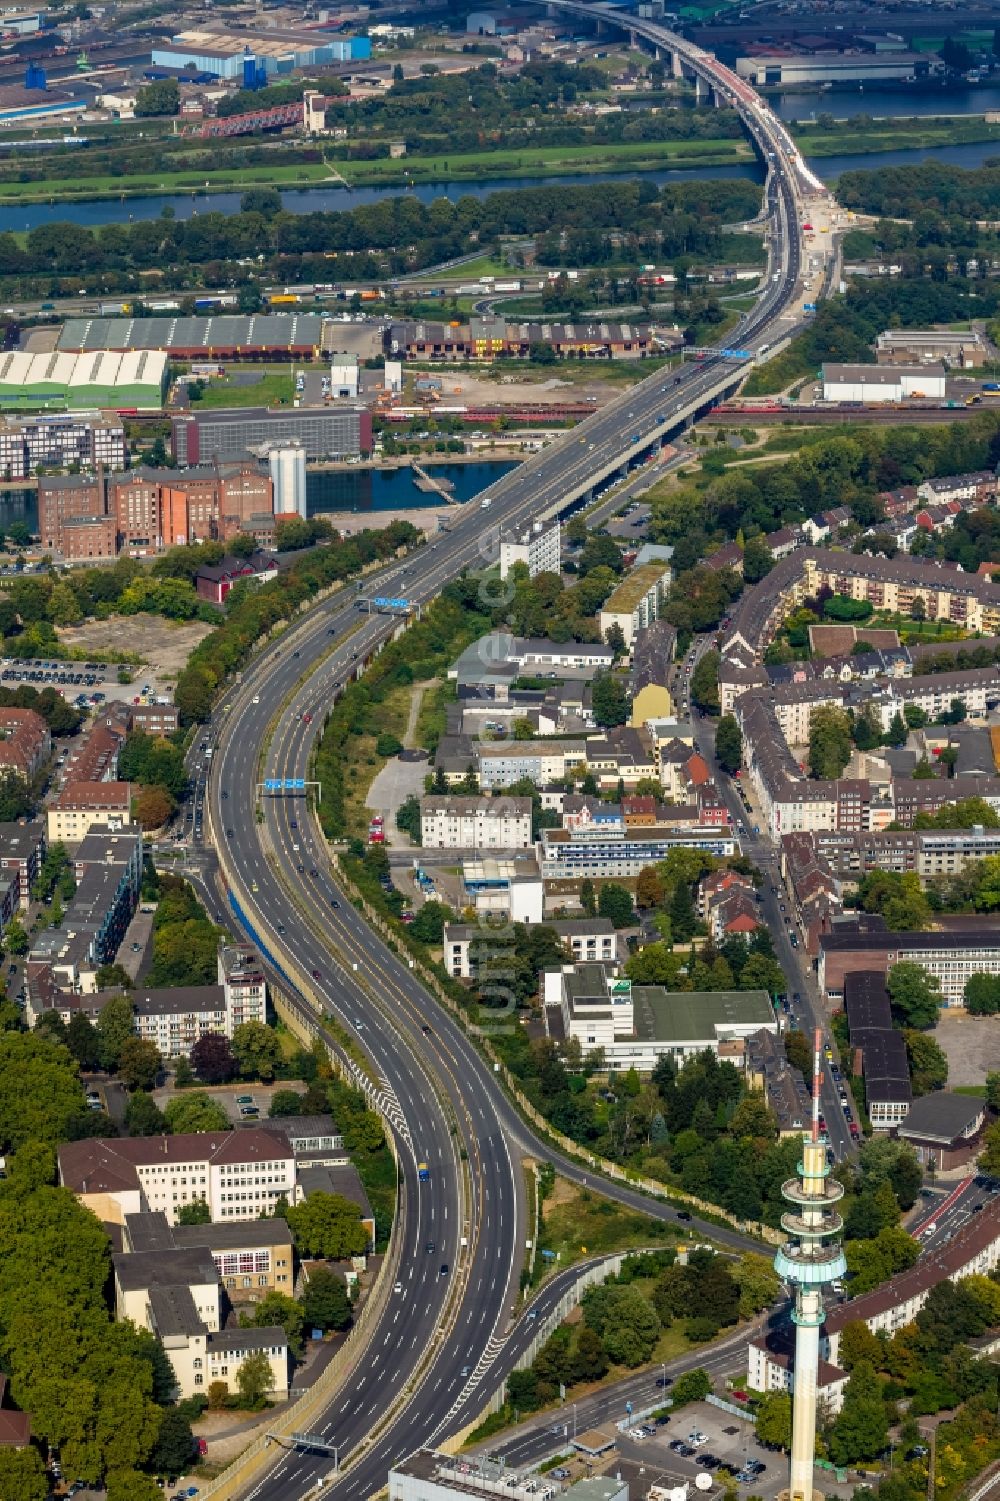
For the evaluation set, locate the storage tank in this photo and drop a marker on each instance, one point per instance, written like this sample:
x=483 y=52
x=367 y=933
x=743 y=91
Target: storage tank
x=287 y=464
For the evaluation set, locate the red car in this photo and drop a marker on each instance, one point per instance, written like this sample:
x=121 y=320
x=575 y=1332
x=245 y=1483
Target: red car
x=855 y=1133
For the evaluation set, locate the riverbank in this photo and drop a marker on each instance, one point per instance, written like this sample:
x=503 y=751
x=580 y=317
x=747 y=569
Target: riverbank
x=923 y=133
x=476 y=167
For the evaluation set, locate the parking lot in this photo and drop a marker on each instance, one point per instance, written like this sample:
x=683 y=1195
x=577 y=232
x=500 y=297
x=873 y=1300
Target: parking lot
x=39 y=672
x=703 y=1439
x=245 y=1104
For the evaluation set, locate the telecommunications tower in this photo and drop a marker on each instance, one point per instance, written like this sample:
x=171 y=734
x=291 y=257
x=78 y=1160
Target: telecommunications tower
x=810 y=1260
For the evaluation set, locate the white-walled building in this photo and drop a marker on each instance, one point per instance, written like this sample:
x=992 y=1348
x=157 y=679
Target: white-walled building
x=469 y=946
x=878 y=383
x=636 y=1025
x=240 y=1174
x=539 y=549
x=475 y=823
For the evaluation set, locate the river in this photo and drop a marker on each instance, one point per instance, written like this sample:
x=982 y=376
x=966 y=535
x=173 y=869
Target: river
x=354 y=489
x=91 y=211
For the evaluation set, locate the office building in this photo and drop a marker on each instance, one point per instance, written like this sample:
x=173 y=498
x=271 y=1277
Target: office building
x=240 y=1174
x=86 y=440
x=596 y=853
x=252 y=1257
x=333 y=432
x=951 y=954
x=636 y=1025
x=473 y=950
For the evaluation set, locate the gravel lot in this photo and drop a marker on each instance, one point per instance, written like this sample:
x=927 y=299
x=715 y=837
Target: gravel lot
x=972 y=1044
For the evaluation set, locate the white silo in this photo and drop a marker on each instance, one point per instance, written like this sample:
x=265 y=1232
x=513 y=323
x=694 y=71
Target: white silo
x=287 y=464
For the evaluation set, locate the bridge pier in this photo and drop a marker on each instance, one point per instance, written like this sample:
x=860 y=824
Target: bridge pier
x=676 y=71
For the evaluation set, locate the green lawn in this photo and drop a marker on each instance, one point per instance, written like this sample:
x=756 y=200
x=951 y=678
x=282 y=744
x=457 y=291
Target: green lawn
x=306 y=174
x=275 y=387
x=544 y=160
x=889 y=135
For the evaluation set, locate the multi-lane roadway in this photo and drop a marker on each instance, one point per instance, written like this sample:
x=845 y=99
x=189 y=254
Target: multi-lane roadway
x=446 y=1333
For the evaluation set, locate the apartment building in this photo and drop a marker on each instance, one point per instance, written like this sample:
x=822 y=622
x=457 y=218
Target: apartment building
x=61 y=440
x=635 y=603
x=155 y=719
x=82 y=806
x=240 y=1174
x=454 y=822
x=973 y=1250
x=22 y=850
x=108 y=871
x=926 y=852
x=25 y=742
x=471 y=948
x=539 y=549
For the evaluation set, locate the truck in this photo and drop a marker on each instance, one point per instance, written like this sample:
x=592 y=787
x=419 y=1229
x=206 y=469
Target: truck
x=991 y=385
x=423 y=1173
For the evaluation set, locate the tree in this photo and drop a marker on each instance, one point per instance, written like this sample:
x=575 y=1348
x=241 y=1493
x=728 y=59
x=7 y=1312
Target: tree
x=774 y=1420
x=615 y=902
x=115 y=1026
x=325 y=1302
x=152 y=807
x=196 y=1111
x=40 y=1094
x=175 y=1443
x=614 y=637
x=758 y=1283
x=328 y=1225
x=140 y=1063
x=982 y=994
x=15 y=938
x=277 y=1310
x=627 y=1323
x=758 y=560
x=254 y=1380
x=705 y=683
x=257 y=1050
x=829 y=742
x=588 y=897
x=610 y=700
x=265 y=201
x=132 y=1485
x=197 y=1212
x=729 y=744
x=22 y=1475
x=692 y=1386
x=428 y=925
x=113 y=977
x=914 y=994
x=83 y=1041
x=212 y=1059
x=928 y=1062
x=989 y=1158
x=861 y=1427
x=649 y=887
x=857 y=1343
x=162 y=97
x=680 y=909
x=285 y=1102
x=143 y=1117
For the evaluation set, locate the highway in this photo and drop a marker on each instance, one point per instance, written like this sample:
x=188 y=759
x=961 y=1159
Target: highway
x=444 y=1338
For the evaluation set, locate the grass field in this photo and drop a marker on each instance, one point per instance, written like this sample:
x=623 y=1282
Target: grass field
x=304 y=175
x=534 y=161
x=890 y=135
x=274 y=388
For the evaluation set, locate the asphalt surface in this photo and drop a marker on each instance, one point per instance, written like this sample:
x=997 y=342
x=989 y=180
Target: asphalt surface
x=440 y=1097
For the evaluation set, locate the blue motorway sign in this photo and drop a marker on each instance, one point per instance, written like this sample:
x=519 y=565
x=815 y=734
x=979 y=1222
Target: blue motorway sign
x=736 y=354
x=392 y=604
x=285 y=784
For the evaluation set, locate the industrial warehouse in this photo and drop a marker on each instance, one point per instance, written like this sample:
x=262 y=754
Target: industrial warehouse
x=135 y=380
x=272 y=336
